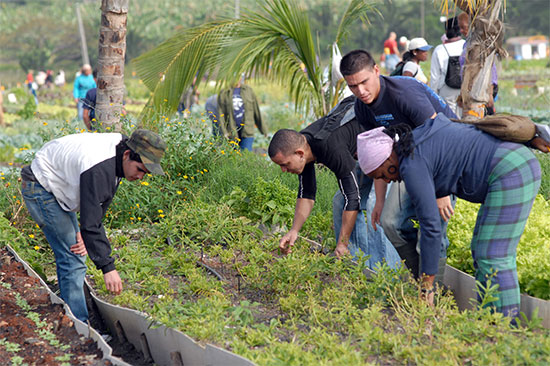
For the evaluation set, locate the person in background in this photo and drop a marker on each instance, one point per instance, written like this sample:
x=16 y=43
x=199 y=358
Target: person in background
x=60 y=79
x=404 y=43
x=81 y=173
x=392 y=52
x=443 y=157
x=417 y=52
x=464 y=25
x=49 y=79
x=452 y=47
x=88 y=113
x=82 y=83
x=32 y=86
x=239 y=112
x=211 y=108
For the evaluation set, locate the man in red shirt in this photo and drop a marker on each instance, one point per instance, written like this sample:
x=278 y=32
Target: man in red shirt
x=392 y=52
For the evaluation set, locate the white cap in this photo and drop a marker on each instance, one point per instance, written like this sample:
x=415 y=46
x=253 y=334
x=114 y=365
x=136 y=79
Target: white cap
x=403 y=39
x=419 y=44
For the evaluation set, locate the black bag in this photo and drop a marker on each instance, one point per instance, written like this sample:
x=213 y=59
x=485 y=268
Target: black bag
x=452 y=78
x=399 y=69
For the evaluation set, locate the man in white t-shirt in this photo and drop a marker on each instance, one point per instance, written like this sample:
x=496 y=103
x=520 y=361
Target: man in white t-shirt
x=440 y=59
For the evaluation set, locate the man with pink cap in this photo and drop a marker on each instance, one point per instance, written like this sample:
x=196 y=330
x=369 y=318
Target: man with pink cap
x=441 y=158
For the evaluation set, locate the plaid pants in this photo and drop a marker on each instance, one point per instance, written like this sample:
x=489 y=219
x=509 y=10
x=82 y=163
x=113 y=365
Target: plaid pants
x=514 y=182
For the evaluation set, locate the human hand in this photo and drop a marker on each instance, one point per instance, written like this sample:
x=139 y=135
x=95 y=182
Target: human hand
x=79 y=248
x=445 y=207
x=287 y=242
x=341 y=250
x=376 y=214
x=540 y=144
x=113 y=283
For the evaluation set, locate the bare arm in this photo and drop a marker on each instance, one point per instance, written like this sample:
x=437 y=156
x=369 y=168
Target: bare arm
x=348 y=223
x=380 y=188
x=86 y=118
x=301 y=213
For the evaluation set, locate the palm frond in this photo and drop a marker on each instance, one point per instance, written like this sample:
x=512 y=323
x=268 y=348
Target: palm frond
x=170 y=68
x=357 y=9
x=276 y=43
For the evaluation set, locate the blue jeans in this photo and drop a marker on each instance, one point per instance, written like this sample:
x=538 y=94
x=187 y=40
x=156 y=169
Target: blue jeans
x=364 y=237
x=246 y=143
x=397 y=222
x=60 y=228
x=80 y=109
x=391 y=62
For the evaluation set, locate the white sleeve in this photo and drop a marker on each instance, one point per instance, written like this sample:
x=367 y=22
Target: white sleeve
x=437 y=74
x=411 y=67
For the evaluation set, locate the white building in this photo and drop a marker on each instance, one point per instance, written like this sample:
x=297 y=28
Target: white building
x=527 y=48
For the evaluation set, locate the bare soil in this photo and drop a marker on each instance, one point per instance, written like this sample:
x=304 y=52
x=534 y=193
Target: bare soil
x=36 y=345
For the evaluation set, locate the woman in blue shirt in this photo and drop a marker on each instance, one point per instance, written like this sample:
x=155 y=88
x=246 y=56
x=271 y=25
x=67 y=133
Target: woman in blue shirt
x=443 y=157
x=83 y=82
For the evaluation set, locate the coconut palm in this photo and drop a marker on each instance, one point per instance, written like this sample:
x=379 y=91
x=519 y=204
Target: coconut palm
x=275 y=42
x=112 y=48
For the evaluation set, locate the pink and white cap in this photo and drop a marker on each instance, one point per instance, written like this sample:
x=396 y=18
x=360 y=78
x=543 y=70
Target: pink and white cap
x=374 y=147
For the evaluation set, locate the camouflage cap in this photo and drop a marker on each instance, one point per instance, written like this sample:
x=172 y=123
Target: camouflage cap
x=150 y=148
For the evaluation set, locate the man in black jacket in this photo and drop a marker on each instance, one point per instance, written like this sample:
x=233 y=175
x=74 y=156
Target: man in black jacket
x=81 y=172
x=331 y=141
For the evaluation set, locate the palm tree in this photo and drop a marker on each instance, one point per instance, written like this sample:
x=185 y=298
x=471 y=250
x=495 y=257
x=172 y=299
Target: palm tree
x=275 y=42
x=112 y=49
x=485 y=42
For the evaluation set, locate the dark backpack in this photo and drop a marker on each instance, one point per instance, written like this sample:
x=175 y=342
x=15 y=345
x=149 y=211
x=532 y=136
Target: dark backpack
x=453 y=78
x=398 y=71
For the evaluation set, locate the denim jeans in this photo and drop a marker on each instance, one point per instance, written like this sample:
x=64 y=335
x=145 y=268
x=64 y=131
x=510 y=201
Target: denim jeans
x=397 y=222
x=60 y=228
x=246 y=143
x=80 y=109
x=364 y=237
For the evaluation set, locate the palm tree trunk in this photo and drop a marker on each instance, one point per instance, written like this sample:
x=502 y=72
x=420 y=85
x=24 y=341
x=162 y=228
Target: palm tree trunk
x=112 y=49
x=485 y=42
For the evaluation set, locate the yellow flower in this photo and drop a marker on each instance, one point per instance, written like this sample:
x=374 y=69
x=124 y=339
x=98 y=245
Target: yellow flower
x=36 y=247
x=137 y=205
x=31 y=236
x=149 y=175
x=223 y=152
x=205 y=170
x=139 y=218
x=160 y=211
x=190 y=158
x=45 y=123
x=161 y=215
x=144 y=183
x=10 y=163
x=184 y=177
x=179 y=192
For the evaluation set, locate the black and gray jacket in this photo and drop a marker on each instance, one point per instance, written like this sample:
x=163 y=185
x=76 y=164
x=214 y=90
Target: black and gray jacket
x=333 y=142
x=83 y=172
